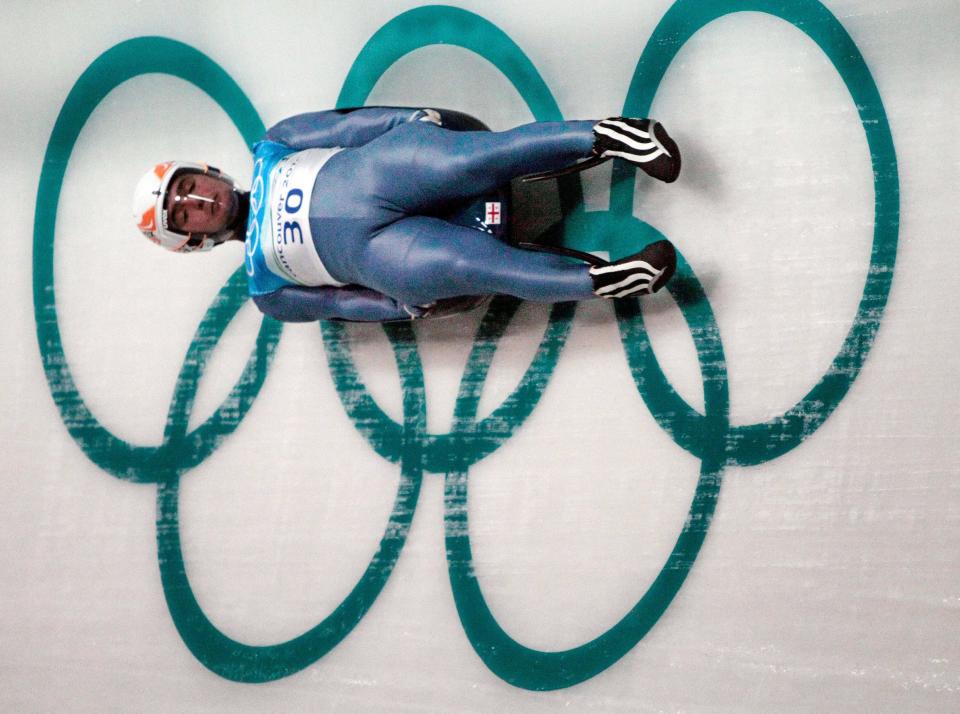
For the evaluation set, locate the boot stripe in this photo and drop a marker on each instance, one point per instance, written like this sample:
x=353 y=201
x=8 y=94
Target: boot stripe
x=624 y=267
x=625 y=139
x=651 y=135
x=626 y=127
x=630 y=288
x=633 y=283
x=627 y=286
x=630 y=291
x=636 y=158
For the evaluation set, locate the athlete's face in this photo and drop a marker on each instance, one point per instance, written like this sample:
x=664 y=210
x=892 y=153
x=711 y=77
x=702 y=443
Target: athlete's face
x=198 y=203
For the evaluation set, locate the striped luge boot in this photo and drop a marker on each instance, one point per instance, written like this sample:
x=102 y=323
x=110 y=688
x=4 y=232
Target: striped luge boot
x=642 y=142
x=638 y=274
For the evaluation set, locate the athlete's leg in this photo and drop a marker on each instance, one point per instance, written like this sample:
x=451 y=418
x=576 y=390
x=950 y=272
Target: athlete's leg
x=420 y=165
x=419 y=259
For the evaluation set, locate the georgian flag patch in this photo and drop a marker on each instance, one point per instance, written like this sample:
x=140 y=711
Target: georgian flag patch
x=492 y=213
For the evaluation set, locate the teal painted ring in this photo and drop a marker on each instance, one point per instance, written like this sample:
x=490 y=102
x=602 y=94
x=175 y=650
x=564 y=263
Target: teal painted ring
x=241 y=662
x=524 y=667
x=123 y=62
x=180 y=450
x=756 y=443
x=709 y=436
x=406 y=33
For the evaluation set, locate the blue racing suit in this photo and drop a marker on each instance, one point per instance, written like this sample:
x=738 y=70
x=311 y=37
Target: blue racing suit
x=347 y=214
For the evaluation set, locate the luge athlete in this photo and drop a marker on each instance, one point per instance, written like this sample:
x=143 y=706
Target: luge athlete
x=357 y=214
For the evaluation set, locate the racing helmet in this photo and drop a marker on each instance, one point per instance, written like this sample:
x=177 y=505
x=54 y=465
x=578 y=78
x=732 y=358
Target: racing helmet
x=150 y=207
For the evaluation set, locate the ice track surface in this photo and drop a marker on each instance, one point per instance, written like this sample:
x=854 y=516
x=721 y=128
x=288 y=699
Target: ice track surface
x=749 y=491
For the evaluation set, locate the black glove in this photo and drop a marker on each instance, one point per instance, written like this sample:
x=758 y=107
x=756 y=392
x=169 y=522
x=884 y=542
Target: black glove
x=642 y=142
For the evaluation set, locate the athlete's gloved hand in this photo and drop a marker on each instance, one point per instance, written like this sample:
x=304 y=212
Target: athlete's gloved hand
x=430 y=115
x=638 y=274
x=642 y=142
x=418 y=312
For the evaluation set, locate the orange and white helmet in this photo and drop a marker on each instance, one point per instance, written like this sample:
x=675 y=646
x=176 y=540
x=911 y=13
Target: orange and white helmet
x=150 y=206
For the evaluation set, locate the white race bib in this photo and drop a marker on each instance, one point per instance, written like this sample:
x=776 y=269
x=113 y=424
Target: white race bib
x=289 y=249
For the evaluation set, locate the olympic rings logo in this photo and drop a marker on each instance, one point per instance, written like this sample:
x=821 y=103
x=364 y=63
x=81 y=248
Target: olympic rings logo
x=252 y=241
x=709 y=436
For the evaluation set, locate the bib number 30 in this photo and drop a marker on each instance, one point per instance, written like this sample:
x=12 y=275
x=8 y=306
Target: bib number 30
x=292 y=232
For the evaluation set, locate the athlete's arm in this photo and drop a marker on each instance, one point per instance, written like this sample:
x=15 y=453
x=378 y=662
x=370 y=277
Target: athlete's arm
x=343 y=127
x=351 y=302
